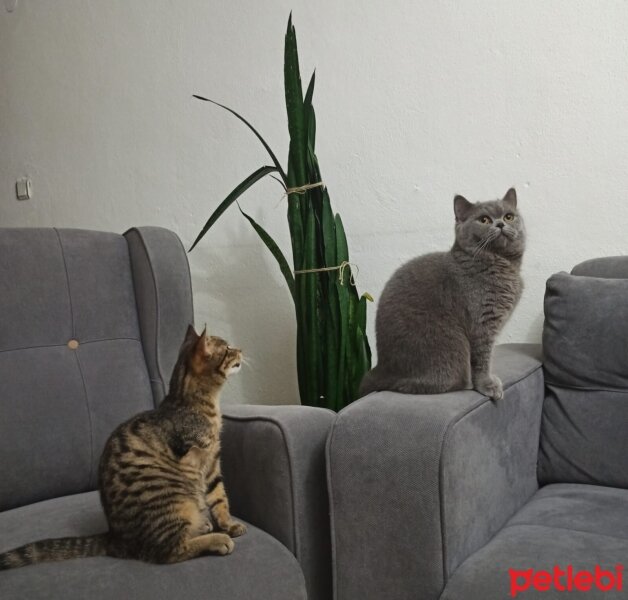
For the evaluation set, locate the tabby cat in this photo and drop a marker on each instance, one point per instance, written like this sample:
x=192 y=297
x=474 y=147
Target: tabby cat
x=160 y=480
x=440 y=313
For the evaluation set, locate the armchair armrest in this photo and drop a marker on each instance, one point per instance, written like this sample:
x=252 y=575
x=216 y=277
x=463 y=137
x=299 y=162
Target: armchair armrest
x=419 y=482
x=273 y=462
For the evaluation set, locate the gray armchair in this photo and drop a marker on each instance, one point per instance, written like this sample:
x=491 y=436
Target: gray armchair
x=90 y=327
x=439 y=496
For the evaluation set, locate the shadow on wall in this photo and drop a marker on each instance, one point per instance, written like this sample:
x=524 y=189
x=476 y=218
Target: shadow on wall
x=241 y=297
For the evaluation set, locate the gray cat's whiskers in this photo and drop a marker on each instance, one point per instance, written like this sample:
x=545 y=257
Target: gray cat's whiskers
x=484 y=243
x=480 y=246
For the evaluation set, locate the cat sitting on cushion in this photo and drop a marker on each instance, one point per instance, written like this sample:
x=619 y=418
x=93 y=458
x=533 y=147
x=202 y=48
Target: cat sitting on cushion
x=160 y=479
x=440 y=313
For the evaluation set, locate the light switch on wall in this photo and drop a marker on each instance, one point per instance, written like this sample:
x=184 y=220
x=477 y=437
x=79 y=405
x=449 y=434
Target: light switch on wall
x=24 y=189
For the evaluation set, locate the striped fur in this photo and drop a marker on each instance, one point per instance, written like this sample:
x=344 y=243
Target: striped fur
x=160 y=480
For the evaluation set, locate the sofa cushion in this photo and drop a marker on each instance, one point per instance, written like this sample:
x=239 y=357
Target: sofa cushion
x=260 y=567
x=71 y=359
x=585 y=332
x=611 y=267
x=585 y=348
x=562 y=525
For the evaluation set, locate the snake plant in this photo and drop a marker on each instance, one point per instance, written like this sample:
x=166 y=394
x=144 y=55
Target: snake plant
x=333 y=352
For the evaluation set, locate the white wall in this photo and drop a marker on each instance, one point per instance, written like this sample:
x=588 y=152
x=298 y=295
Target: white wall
x=416 y=101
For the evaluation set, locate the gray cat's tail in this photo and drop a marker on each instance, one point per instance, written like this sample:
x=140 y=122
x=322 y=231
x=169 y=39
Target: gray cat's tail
x=54 y=549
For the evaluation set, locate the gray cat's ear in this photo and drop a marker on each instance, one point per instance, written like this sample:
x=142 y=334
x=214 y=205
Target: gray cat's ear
x=462 y=207
x=510 y=199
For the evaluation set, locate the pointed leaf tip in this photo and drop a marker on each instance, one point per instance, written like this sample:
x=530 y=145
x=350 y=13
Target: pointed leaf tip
x=255 y=132
x=231 y=198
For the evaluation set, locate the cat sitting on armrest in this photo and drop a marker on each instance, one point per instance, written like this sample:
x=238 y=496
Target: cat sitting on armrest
x=440 y=313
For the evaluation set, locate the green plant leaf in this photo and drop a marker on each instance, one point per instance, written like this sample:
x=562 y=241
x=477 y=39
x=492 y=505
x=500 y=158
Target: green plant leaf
x=310 y=308
x=343 y=304
x=275 y=251
x=361 y=316
x=330 y=344
x=296 y=220
x=342 y=249
x=231 y=198
x=294 y=105
x=307 y=101
x=259 y=137
x=362 y=359
x=329 y=233
x=309 y=116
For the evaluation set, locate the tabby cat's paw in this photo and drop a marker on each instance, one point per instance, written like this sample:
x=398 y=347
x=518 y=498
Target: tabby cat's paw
x=235 y=529
x=491 y=387
x=222 y=544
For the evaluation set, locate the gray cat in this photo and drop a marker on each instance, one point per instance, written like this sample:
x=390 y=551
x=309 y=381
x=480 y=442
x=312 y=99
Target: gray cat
x=439 y=314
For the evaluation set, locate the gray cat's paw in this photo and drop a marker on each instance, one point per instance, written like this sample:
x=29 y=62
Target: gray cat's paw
x=491 y=387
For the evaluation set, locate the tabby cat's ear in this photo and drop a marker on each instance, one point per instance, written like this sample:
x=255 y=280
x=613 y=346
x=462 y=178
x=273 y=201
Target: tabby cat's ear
x=190 y=334
x=510 y=199
x=202 y=345
x=462 y=208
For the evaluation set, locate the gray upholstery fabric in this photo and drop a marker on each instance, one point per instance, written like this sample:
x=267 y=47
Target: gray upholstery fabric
x=564 y=524
x=58 y=404
x=585 y=332
x=260 y=568
x=163 y=293
x=610 y=267
x=584 y=437
x=585 y=417
x=273 y=460
x=127 y=302
x=418 y=483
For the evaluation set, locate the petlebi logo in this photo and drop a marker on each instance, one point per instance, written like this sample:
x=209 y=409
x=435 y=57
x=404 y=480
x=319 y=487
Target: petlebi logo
x=567 y=579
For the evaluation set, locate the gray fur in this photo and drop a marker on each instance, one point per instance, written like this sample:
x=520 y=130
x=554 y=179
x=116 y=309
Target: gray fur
x=440 y=313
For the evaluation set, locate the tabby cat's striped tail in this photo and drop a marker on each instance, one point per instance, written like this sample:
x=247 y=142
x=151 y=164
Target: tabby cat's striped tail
x=54 y=549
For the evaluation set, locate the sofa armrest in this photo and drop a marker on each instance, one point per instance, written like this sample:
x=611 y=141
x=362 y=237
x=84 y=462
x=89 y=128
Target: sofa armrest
x=418 y=483
x=273 y=461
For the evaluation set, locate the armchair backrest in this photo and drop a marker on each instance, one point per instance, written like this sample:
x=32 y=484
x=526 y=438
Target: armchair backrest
x=90 y=326
x=584 y=435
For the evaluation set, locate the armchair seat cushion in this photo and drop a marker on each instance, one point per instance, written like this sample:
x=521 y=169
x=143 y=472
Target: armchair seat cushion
x=563 y=524
x=260 y=567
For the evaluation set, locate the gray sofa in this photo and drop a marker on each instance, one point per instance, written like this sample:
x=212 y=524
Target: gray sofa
x=90 y=326
x=440 y=496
